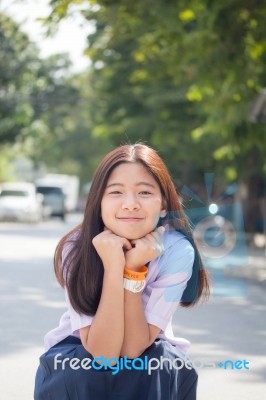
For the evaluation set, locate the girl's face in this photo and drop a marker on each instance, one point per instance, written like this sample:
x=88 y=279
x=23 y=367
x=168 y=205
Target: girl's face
x=132 y=202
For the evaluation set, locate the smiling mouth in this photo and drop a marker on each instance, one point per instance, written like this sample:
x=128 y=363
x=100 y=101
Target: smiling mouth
x=131 y=219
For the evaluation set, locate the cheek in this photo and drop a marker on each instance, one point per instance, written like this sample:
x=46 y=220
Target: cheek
x=104 y=208
x=155 y=210
x=156 y=206
x=108 y=207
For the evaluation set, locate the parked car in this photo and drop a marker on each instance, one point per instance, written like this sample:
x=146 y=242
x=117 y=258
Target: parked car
x=61 y=183
x=19 y=201
x=54 y=199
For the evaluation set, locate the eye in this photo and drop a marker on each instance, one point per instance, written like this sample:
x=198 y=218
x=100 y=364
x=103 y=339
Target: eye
x=115 y=192
x=145 y=192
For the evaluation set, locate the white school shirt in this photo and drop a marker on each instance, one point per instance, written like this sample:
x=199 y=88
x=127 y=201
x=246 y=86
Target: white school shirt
x=165 y=283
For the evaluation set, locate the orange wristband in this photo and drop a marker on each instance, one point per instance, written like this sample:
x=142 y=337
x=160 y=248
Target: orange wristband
x=136 y=275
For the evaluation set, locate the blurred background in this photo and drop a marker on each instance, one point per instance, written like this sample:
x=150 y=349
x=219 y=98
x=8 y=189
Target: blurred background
x=78 y=78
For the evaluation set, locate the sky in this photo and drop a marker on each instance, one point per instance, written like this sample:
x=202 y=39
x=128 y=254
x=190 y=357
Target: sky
x=70 y=38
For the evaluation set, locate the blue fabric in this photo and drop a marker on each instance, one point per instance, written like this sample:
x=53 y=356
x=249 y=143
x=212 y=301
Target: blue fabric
x=92 y=384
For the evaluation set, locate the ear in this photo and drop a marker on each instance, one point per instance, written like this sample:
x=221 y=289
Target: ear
x=163 y=211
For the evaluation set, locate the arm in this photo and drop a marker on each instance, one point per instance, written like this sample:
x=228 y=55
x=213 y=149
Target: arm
x=105 y=335
x=139 y=335
x=176 y=266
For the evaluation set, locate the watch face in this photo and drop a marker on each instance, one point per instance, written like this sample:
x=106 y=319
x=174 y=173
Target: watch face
x=139 y=285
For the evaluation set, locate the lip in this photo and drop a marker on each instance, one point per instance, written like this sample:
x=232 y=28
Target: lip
x=130 y=219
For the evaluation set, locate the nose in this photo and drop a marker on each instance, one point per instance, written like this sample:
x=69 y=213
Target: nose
x=130 y=203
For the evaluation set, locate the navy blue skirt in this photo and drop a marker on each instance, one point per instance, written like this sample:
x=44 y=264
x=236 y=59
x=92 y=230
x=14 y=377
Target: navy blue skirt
x=68 y=372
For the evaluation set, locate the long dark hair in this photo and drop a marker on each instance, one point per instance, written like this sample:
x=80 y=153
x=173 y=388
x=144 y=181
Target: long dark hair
x=82 y=272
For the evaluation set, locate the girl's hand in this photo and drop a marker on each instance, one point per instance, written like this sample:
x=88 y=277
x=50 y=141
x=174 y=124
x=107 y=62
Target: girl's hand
x=110 y=249
x=145 y=249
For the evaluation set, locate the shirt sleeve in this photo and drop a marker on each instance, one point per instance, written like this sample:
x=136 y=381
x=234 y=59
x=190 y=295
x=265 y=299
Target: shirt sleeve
x=77 y=320
x=175 y=269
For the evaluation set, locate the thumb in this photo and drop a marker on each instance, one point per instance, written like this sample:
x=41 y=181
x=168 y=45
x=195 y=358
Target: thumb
x=126 y=244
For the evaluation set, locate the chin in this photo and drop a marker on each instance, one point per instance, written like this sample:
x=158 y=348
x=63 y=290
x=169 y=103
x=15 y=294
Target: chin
x=126 y=234
x=134 y=235
x=130 y=236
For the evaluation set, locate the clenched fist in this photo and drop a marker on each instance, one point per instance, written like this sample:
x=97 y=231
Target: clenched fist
x=111 y=249
x=145 y=249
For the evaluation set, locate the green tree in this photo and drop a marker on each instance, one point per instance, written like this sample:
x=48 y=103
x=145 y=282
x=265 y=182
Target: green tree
x=66 y=144
x=17 y=70
x=179 y=76
x=43 y=109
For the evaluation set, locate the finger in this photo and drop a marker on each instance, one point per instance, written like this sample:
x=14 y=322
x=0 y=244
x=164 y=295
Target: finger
x=157 y=233
x=156 y=236
x=126 y=244
x=160 y=230
x=135 y=241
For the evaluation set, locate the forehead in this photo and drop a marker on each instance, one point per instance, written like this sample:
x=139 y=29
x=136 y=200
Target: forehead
x=131 y=173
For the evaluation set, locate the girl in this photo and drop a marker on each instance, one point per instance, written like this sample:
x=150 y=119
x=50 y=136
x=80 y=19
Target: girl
x=125 y=270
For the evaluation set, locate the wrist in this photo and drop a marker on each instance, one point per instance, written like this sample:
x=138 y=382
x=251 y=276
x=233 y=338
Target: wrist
x=135 y=281
x=113 y=267
x=136 y=275
x=134 y=286
x=114 y=274
x=136 y=267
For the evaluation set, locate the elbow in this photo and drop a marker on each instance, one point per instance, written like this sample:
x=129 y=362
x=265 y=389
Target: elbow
x=133 y=352
x=135 y=349
x=101 y=354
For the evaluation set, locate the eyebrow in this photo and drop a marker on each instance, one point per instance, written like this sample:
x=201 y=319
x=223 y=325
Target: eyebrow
x=138 y=184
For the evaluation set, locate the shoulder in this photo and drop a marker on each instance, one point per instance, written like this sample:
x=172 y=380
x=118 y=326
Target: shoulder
x=177 y=241
x=179 y=253
x=171 y=237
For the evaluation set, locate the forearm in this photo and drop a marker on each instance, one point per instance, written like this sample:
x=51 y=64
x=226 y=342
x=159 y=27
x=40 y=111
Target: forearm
x=137 y=334
x=106 y=333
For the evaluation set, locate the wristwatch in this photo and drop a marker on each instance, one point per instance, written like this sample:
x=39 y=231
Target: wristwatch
x=134 y=286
